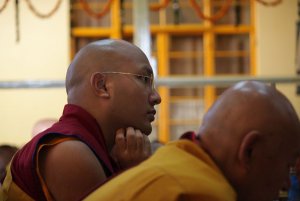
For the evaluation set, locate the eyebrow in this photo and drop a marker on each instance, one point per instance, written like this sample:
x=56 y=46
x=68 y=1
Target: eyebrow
x=148 y=70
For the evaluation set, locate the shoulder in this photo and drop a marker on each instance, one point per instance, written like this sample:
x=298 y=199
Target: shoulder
x=68 y=153
x=70 y=163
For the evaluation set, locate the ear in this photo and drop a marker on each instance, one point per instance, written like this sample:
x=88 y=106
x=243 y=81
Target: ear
x=98 y=83
x=247 y=148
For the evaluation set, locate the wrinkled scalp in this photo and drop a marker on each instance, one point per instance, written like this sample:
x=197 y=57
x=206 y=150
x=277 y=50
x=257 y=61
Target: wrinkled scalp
x=248 y=105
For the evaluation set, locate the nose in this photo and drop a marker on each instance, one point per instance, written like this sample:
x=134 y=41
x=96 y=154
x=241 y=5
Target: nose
x=154 y=97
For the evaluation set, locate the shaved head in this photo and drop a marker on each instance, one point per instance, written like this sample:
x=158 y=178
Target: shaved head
x=251 y=126
x=251 y=104
x=99 y=56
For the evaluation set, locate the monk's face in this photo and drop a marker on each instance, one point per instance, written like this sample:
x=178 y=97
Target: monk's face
x=134 y=97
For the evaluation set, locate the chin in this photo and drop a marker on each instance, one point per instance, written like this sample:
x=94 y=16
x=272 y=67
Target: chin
x=147 y=130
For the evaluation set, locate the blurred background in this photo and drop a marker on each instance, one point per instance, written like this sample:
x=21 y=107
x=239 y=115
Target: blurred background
x=197 y=48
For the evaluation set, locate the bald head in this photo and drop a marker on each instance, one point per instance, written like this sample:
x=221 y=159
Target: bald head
x=248 y=125
x=250 y=104
x=99 y=56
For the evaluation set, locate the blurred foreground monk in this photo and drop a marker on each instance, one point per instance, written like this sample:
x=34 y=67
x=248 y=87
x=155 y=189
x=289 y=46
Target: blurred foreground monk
x=42 y=125
x=7 y=151
x=247 y=141
x=104 y=127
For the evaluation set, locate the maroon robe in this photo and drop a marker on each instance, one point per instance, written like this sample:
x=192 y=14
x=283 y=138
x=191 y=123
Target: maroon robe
x=75 y=122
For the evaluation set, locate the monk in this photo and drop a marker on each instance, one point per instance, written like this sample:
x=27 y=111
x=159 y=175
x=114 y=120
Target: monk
x=42 y=125
x=6 y=153
x=103 y=128
x=243 y=150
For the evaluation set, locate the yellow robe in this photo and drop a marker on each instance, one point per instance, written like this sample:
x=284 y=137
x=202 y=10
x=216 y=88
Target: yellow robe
x=180 y=170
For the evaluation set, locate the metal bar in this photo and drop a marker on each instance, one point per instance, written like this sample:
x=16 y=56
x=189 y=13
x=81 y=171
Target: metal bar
x=142 y=37
x=32 y=84
x=197 y=81
x=186 y=81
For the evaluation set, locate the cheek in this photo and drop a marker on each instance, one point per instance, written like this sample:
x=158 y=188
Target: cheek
x=280 y=177
x=131 y=101
x=137 y=94
x=274 y=177
x=132 y=104
x=139 y=97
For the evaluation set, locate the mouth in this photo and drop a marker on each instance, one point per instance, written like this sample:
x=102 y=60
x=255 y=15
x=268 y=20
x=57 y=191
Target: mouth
x=151 y=115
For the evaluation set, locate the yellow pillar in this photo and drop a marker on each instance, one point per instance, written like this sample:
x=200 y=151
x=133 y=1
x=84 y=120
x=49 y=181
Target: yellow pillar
x=252 y=38
x=115 y=14
x=163 y=71
x=209 y=56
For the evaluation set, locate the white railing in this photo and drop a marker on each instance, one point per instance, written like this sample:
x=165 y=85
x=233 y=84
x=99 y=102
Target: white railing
x=179 y=81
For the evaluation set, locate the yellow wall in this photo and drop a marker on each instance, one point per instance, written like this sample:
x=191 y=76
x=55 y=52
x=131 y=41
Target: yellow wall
x=42 y=53
x=276 y=44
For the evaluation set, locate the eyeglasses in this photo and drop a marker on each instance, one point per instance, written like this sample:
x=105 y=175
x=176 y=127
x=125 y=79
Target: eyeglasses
x=147 y=80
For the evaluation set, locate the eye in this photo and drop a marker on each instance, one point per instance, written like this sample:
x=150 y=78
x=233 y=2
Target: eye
x=144 y=79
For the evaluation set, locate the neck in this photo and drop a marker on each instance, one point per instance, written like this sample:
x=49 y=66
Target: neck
x=108 y=135
x=201 y=142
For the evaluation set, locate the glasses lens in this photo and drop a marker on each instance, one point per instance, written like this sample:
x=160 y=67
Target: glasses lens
x=148 y=80
x=152 y=82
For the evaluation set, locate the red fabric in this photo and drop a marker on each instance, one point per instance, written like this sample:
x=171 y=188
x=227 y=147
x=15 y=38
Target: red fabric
x=75 y=122
x=190 y=135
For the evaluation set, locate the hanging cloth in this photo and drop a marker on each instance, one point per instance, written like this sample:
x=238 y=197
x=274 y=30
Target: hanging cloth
x=298 y=41
x=176 y=11
x=17 y=21
x=298 y=47
x=237 y=11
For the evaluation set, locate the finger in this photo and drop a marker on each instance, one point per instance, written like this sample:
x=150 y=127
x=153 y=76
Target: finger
x=131 y=140
x=139 y=141
x=147 y=145
x=120 y=141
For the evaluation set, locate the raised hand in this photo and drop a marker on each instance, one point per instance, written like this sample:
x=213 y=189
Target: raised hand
x=131 y=147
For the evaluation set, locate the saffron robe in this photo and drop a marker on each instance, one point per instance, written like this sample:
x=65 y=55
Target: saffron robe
x=180 y=170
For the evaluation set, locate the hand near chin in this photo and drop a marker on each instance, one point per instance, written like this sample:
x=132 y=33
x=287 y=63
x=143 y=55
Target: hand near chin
x=131 y=147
